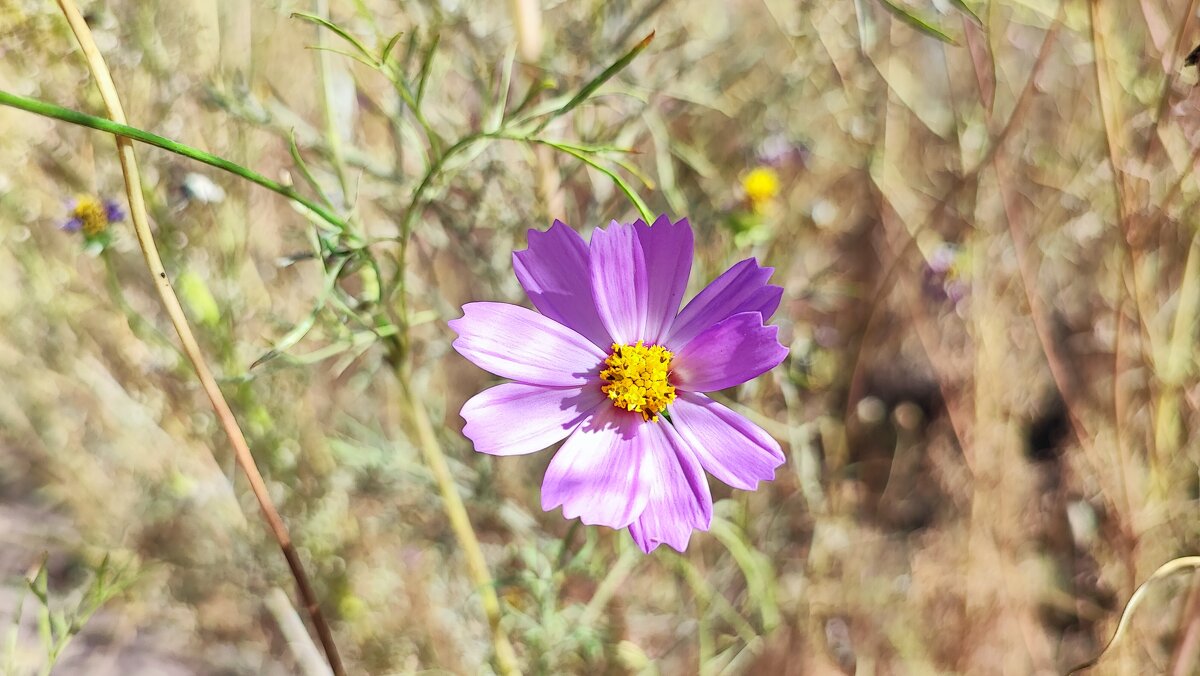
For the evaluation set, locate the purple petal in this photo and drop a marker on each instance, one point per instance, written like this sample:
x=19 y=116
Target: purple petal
x=554 y=272
x=515 y=418
x=728 y=353
x=513 y=342
x=619 y=282
x=731 y=448
x=741 y=288
x=598 y=474
x=113 y=211
x=72 y=225
x=667 y=251
x=679 y=500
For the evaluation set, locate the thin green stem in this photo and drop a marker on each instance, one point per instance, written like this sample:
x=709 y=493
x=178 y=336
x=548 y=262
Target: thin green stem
x=590 y=88
x=643 y=210
x=460 y=523
x=410 y=100
x=406 y=226
x=413 y=210
x=101 y=124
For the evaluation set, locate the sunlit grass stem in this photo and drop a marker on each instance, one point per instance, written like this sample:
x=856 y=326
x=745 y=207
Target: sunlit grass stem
x=460 y=523
x=145 y=237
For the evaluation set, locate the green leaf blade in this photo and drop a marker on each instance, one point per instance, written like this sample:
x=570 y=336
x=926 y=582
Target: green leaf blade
x=914 y=20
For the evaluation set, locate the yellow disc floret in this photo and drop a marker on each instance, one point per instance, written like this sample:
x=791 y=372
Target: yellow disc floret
x=93 y=218
x=637 y=378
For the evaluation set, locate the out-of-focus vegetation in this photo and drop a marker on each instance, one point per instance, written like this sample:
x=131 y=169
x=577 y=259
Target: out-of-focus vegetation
x=984 y=218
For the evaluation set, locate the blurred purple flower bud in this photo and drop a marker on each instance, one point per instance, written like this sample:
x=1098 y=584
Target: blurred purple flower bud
x=778 y=150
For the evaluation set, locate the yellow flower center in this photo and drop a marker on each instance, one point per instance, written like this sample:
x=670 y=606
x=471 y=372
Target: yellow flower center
x=91 y=214
x=636 y=378
x=761 y=186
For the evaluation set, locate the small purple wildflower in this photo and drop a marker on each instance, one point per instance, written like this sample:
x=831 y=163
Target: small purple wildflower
x=92 y=216
x=943 y=278
x=942 y=259
x=612 y=365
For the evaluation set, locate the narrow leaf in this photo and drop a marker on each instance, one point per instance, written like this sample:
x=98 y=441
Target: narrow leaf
x=427 y=66
x=391 y=44
x=497 y=114
x=366 y=61
x=304 y=326
x=866 y=26
x=302 y=167
x=341 y=32
x=606 y=75
x=622 y=185
x=923 y=25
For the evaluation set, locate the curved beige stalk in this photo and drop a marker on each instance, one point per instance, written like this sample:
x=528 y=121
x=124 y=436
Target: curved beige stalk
x=141 y=225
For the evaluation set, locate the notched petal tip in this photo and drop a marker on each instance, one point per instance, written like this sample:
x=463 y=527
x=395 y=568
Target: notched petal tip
x=597 y=474
x=728 y=353
x=517 y=343
x=555 y=273
x=769 y=298
x=741 y=288
x=730 y=447
x=648 y=544
x=680 y=501
x=515 y=418
x=534 y=234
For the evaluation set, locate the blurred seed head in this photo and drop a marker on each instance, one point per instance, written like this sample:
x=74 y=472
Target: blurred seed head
x=777 y=150
x=870 y=410
x=908 y=416
x=823 y=213
x=200 y=188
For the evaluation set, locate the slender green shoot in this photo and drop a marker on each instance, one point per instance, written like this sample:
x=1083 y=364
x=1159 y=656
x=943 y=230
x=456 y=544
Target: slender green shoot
x=101 y=124
x=590 y=88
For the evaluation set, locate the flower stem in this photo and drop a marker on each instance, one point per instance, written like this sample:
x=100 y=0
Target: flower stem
x=141 y=224
x=122 y=130
x=460 y=523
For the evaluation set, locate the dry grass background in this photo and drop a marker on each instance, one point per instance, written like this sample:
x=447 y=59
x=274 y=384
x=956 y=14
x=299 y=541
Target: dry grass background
x=972 y=487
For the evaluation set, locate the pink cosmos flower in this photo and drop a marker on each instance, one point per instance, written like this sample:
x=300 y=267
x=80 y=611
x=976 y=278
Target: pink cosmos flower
x=612 y=365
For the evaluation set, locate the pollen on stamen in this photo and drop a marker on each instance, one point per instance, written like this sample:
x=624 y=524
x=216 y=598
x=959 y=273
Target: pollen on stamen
x=637 y=379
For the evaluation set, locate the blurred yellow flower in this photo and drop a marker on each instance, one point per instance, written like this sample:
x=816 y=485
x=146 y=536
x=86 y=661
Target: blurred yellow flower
x=761 y=186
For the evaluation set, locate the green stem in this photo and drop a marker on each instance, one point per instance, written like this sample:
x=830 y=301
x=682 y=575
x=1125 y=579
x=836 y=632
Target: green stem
x=406 y=226
x=75 y=117
x=643 y=210
x=460 y=524
x=413 y=210
x=395 y=75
